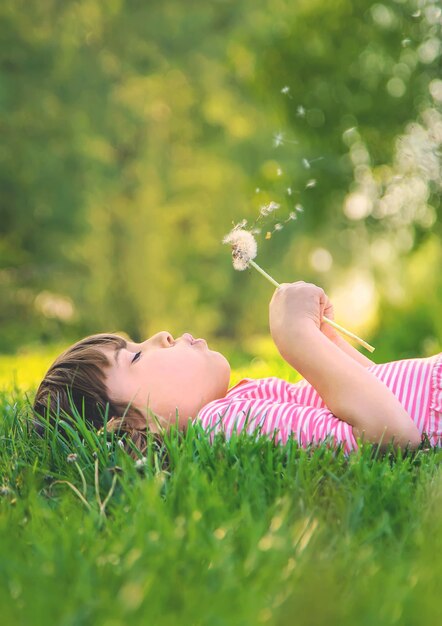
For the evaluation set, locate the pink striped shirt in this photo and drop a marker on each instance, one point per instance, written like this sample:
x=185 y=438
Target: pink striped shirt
x=296 y=409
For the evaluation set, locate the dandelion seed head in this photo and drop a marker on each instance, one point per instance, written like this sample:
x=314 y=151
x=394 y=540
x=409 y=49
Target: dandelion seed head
x=244 y=247
x=292 y=215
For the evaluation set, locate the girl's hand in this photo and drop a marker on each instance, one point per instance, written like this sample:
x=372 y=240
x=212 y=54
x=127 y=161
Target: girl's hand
x=325 y=328
x=296 y=308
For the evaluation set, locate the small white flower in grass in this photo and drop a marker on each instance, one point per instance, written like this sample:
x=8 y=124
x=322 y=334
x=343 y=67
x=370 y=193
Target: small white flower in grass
x=244 y=247
x=71 y=458
x=140 y=463
x=120 y=442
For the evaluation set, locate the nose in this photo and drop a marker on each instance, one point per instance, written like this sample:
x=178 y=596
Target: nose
x=164 y=338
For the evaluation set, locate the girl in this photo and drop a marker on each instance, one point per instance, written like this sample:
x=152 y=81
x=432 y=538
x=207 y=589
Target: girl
x=162 y=380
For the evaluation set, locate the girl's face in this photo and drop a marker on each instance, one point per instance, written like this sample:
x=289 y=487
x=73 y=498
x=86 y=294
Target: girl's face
x=166 y=375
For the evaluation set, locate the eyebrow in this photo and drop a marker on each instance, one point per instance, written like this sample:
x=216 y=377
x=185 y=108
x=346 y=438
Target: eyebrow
x=117 y=353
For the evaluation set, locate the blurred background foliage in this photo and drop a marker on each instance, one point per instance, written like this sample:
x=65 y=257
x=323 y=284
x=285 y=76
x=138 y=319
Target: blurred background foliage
x=135 y=134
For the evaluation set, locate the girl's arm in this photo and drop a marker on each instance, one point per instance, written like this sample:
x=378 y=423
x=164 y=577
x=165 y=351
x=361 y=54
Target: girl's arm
x=343 y=345
x=351 y=392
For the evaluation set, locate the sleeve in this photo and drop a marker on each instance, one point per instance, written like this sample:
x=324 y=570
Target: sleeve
x=307 y=424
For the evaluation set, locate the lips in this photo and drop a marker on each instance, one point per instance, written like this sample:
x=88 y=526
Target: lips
x=189 y=337
x=192 y=339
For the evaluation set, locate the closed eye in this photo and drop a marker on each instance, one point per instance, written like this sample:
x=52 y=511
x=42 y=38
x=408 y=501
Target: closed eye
x=136 y=357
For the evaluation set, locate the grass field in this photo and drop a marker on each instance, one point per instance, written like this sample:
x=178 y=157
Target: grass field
x=238 y=533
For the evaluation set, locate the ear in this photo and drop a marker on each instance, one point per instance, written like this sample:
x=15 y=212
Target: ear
x=127 y=423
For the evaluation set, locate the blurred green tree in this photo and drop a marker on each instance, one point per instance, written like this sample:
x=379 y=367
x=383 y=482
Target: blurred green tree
x=137 y=133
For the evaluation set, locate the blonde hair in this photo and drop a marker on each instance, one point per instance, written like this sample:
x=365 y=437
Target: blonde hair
x=76 y=379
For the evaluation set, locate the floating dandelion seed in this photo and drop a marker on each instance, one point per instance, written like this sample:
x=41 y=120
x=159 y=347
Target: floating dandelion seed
x=278 y=139
x=289 y=191
x=416 y=13
x=308 y=163
x=299 y=208
x=292 y=216
x=279 y=171
x=311 y=183
x=71 y=458
x=405 y=42
x=285 y=90
x=300 y=111
x=266 y=209
x=257 y=190
x=278 y=227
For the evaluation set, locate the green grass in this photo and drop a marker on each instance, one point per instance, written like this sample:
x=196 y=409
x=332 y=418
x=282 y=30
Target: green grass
x=238 y=533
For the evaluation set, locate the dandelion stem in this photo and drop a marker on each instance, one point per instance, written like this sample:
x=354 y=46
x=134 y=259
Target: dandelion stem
x=106 y=500
x=74 y=489
x=342 y=330
x=261 y=271
x=83 y=480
